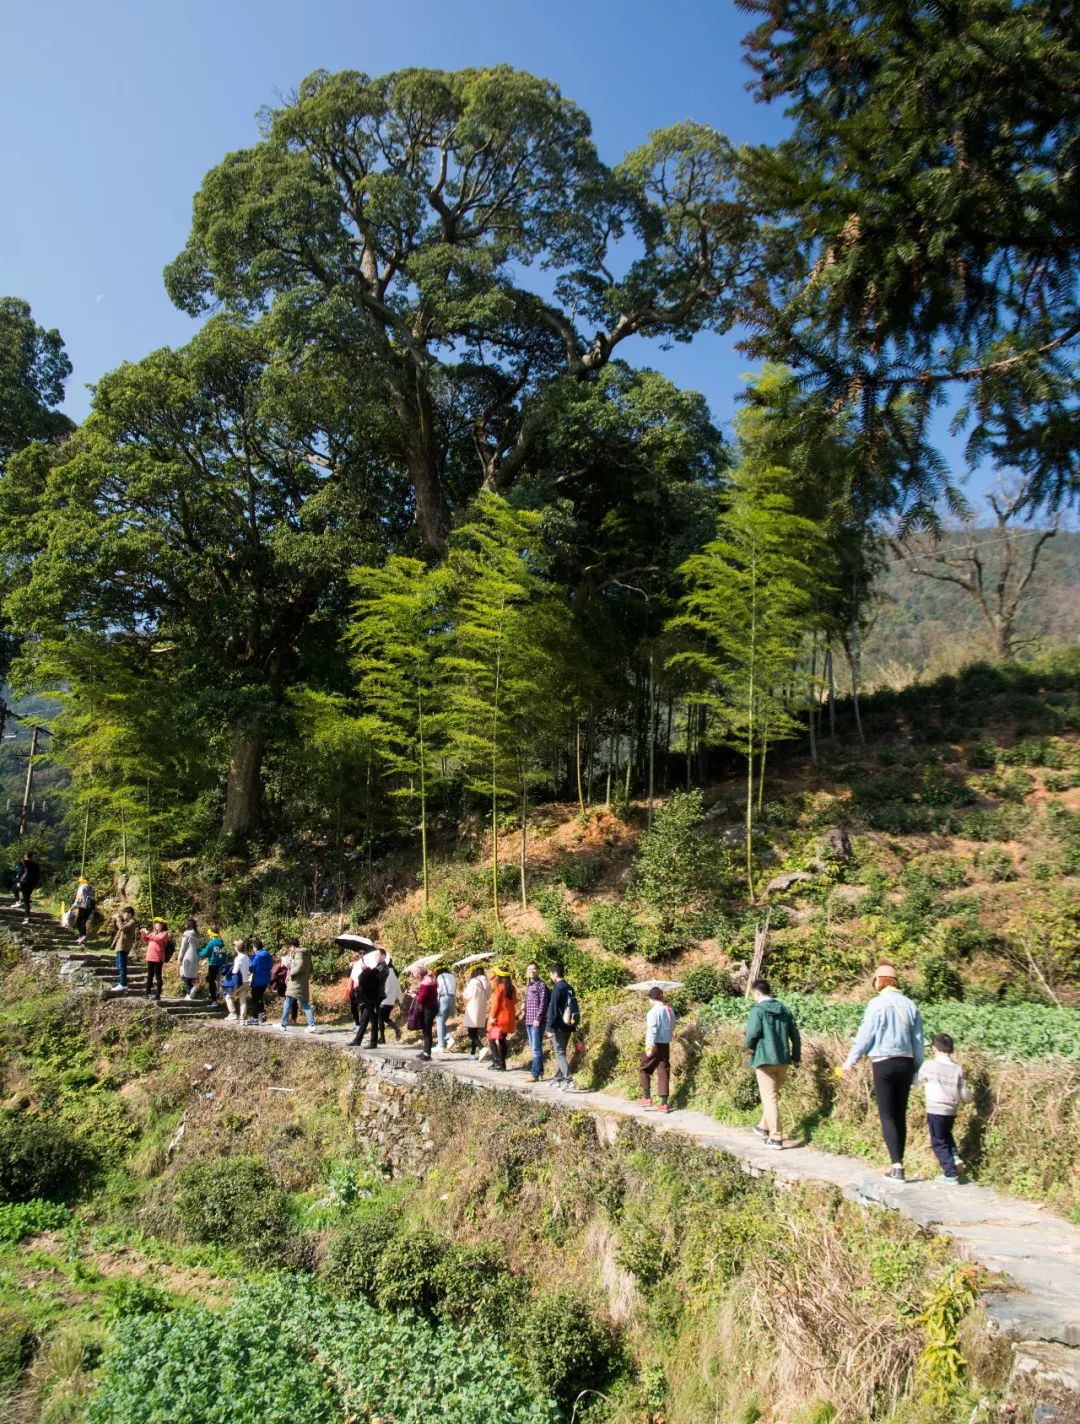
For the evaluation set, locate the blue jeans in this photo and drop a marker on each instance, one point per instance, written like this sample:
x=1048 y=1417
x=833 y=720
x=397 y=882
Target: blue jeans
x=121 y=968
x=286 y=1008
x=446 y=1008
x=536 y=1043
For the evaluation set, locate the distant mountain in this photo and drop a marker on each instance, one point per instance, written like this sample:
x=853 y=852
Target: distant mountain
x=927 y=627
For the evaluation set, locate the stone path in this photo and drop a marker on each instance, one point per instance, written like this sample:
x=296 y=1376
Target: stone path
x=1040 y=1253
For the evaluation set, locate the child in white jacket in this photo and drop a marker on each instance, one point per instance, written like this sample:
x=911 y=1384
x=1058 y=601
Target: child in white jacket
x=945 y=1088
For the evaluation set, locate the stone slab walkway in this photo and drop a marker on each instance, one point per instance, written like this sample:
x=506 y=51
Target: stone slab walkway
x=1038 y=1252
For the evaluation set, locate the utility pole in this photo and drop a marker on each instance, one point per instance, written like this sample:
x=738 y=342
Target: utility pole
x=29 y=783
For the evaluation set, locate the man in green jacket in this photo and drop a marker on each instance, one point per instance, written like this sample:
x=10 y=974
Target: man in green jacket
x=773 y=1039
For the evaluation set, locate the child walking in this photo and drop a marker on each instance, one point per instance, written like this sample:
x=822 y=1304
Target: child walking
x=945 y=1088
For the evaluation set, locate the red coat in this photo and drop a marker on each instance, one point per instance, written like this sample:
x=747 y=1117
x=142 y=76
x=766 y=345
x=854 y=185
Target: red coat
x=156 y=942
x=502 y=1015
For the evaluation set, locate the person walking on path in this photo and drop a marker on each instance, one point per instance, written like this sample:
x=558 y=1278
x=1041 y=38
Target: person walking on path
x=262 y=964
x=355 y=970
x=946 y=1088
x=123 y=942
x=772 y=1036
x=237 y=983
x=891 y=1036
x=562 y=1019
x=477 y=996
x=422 y=1011
x=189 y=957
x=391 y=999
x=537 y=995
x=157 y=952
x=217 y=957
x=27 y=880
x=502 y=1017
x=659 y=1031
x=370 y=988
x=85 y=900
x=298 y=984
x=447 y=987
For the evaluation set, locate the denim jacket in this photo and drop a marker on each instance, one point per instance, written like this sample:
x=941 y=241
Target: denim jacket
x=891 y=1028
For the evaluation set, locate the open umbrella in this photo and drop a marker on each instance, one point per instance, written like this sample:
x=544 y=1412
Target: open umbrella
x=422 y=963
x=473 y=959
x=362 y=942
x=668 y=985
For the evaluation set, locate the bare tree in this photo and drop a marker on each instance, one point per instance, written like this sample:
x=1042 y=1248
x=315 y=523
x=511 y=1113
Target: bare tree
x=994 y=566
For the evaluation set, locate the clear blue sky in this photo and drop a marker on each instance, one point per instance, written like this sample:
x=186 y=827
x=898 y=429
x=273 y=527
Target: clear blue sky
x=111 y=111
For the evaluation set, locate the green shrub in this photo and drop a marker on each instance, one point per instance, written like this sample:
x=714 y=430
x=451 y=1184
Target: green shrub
x=562 y=1346
x=703 y=983
x=559 y=918
x=405 y=1276
x=40 y=1157
x=470 y=1281
x=941 y=980
x=579 y=874
x=349 y=1262
x=677 y=868
x=995 y=863
x=613 y=925
x=233 y=1202
x=982 y=756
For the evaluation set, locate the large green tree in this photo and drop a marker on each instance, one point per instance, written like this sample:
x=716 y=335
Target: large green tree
x=33 y=369
x=932 y=187
x=398 y=220
x=203 y=519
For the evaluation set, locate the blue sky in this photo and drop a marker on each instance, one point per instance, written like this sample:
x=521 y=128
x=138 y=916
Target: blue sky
x=111 y=111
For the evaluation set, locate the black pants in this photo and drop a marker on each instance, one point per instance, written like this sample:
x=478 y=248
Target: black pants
x=24 y=893
x=474 y=1040
x=258 y=1000
x=354 y=1005
x=154 y=969
x=427 y=1028
x=82 y=914
x=213 y=975
x=892 y=1088
x=942 y=1141
x=498 y=1051
x=368 y=1019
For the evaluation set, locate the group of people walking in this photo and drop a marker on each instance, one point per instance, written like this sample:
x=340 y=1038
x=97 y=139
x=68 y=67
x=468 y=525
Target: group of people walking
x=891 y=1037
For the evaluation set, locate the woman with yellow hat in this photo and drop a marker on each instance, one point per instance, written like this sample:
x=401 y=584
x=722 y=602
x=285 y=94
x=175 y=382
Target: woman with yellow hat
x=502 y=1016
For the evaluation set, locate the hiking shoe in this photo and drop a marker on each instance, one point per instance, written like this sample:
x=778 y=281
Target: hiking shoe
x=895 y=1173
x=774 y=1144
x=644 y=1102
x=312 y=1028
x=662 y=1107
x=425 y=1057
x=535 y=1078
x=760 y=1132
x=950 y=1181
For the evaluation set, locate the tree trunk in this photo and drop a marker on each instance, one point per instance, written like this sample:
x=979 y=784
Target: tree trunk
x=524 y=833
x=652 y=742
x=243 y=792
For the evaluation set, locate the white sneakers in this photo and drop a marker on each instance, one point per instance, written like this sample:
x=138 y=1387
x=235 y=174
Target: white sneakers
x=312 y=1028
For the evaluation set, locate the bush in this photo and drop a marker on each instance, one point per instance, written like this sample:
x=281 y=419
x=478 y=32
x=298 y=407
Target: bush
x=39 y=1158
x=406 y=1274
x=30 y=1218
x=233 y=1202
x=349 y=1264
x=579 y=874
x=563 y=1348
x=613 y=925
x=940 y=981
x=677 y=869
x=995 y=863
x=559 y=918
x=703 y=983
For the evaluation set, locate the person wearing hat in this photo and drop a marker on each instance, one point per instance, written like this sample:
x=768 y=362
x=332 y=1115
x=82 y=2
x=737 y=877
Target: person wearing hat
x=659 y=1031
x=502 y=1016
x=891 y=1036
x=217 y=959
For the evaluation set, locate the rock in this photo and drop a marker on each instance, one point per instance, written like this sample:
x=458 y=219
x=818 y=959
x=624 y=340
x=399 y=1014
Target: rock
x=849 y=894
x=836 y=843
x=1047 y=1364
x=780 y=883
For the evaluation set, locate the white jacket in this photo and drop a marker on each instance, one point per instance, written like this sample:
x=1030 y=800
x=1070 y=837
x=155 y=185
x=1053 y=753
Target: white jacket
x=242 y=965
x=476 y=994
x=189 y=955
x=392 y=990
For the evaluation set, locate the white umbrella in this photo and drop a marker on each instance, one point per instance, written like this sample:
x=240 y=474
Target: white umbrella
x=646 y=984
x=473 y=959
x=422 y=963
x=354 y=941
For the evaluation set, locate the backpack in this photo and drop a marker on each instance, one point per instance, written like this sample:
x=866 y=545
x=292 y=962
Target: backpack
x=571 y=1014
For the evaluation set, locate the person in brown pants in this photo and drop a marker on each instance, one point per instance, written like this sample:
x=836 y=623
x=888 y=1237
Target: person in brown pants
x=772 y=1037
x=659 y=1031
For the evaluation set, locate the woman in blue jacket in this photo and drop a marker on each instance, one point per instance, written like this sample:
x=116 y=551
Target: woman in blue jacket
x=891 y=1036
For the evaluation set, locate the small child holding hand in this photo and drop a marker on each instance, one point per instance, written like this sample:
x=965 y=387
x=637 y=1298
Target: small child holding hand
x=946 y=1088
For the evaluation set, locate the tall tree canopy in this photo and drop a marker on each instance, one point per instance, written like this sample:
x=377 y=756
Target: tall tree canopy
x=932 y=182
x=397 y=219
x=33 y=369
